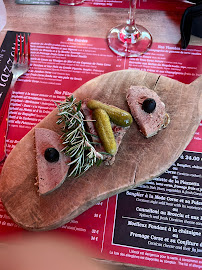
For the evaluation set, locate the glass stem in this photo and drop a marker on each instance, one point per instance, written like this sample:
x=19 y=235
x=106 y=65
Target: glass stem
x=131 y=13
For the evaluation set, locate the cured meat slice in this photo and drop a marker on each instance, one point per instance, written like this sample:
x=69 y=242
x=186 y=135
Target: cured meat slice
x=118 y=131
x=149 y=123
x=52 y=173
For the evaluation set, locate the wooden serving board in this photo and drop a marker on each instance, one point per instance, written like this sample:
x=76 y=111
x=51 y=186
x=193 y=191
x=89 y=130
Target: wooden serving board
x=137 y=161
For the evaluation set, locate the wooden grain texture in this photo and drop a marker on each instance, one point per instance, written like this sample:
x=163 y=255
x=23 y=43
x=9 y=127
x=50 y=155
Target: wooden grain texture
x=138 y=159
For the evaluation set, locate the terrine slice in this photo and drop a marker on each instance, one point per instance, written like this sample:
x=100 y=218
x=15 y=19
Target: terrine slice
x=149 y=122
x=51 y=173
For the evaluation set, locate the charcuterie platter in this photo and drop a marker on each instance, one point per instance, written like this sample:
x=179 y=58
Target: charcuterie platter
x=138 y=159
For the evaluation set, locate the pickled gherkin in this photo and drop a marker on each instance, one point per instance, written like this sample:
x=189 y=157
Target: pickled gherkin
x=104 y=130
x=117 y=116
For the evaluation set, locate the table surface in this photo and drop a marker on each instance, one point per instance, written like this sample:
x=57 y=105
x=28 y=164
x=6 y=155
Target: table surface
x=94 y=22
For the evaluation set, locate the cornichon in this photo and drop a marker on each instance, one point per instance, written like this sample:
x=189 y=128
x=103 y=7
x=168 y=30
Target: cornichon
x=104 y=130
x=118 y=116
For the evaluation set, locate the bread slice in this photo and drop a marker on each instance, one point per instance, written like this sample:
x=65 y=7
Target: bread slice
x=50 y=174
x=149 y=123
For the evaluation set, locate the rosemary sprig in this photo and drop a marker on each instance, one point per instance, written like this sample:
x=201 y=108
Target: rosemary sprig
x=76 y=143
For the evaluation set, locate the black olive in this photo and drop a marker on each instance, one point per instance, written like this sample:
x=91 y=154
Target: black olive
x=51 y=155
x=149 y=105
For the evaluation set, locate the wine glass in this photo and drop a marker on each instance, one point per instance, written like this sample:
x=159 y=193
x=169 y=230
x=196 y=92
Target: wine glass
x=129 y=39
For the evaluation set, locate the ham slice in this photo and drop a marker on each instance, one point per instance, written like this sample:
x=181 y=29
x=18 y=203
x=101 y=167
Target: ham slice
x=118 y=131
x=149 y=123
x=50 y=174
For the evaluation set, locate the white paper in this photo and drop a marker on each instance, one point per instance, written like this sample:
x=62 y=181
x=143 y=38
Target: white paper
x=2 y=15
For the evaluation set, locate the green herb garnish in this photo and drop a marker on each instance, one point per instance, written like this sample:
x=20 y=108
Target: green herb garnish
x=77 y=145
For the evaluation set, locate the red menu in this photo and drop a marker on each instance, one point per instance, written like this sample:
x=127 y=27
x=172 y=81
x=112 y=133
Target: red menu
x=157 y=224
x=174 y=5
x=168 y=5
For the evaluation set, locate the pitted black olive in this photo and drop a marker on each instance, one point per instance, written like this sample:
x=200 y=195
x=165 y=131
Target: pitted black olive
x=149 y=105
x=51 y=155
